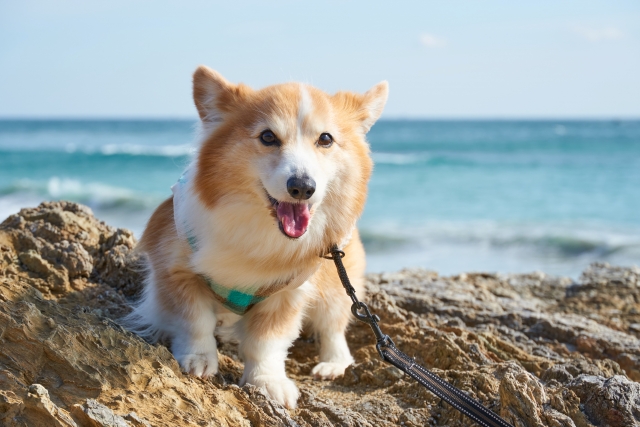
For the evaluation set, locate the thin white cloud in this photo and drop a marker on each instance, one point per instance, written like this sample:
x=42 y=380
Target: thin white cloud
x=431 y=41
x=597 y=34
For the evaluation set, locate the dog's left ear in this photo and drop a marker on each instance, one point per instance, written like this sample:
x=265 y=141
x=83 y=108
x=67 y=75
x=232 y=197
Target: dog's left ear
x=365 y=108
x=373 y=102
x=214 y=96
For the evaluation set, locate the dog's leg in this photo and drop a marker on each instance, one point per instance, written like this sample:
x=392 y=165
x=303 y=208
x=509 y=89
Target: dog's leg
x=193 y=343
x=191 y=324
x=266 y=333
x=330 y=312
x=329 y=319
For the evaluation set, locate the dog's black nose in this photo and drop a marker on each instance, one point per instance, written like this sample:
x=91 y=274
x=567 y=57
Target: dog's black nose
x=301 y=188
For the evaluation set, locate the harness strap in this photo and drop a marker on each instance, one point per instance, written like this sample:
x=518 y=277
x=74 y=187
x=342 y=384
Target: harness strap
x=236 y=301
x=390 y=354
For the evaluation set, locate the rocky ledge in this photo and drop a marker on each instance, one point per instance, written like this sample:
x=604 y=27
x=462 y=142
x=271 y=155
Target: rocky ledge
x=538 y=350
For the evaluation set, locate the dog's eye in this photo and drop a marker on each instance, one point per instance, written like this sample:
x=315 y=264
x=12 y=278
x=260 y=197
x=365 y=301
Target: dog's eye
x=325 y=140
x=268 y=138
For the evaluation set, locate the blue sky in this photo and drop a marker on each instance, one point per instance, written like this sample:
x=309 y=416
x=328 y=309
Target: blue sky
x=443 y=59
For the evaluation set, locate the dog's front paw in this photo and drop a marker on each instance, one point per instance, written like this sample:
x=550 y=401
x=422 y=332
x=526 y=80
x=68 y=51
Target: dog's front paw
x=329 y=370
x=279 y=388
x=197 y=357
x=201 y=365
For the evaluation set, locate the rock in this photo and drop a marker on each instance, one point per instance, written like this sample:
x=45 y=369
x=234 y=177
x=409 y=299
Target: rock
x=94 y=414
x=34 y=407
x=136 y=421
x=522 y=397
x=38 y=401
x=612 y=402
x=536 y=349
x=10 y=407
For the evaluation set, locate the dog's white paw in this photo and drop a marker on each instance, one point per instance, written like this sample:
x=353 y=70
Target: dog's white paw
x=201 y=365
x=199 y=357
x=329 y=370
x=279 y=388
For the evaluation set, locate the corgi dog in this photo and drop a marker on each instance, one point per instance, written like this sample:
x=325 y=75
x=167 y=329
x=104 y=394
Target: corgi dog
x=280 y=175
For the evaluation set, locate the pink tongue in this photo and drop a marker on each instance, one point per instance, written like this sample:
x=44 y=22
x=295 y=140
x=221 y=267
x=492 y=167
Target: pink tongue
x=294 y=218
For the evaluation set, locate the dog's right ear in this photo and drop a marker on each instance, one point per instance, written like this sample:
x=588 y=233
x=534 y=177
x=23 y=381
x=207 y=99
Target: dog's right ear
x=214 y=96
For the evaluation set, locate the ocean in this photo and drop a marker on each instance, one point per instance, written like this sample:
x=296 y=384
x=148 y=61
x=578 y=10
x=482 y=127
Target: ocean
x=451 y=196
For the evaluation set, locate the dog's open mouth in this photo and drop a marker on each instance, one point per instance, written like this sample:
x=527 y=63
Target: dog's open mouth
x=293 y=218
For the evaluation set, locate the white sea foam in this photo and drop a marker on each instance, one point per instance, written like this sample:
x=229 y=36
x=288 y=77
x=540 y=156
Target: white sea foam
x=145 y=150
x=117 y=206
x=135 y=150
x=94 y=194
x=399 y=158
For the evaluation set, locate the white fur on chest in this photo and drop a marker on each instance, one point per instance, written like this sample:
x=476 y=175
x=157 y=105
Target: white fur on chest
x=236 y=238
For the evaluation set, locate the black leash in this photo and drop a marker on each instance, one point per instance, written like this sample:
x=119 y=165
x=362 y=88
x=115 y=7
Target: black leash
x=389 y=353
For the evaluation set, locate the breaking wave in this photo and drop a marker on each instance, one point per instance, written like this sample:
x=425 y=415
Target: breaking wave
x=543 y=240
x=96 y=195
x=145 y=150
x=399 y=158
x=182 y=150
x=515 y=249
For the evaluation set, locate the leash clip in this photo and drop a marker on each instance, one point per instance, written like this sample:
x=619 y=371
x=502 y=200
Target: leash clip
x=372 y=319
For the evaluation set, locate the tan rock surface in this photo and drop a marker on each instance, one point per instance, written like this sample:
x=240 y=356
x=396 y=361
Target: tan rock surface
x=539 y=350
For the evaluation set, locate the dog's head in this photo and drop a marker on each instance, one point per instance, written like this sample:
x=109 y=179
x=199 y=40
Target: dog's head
x=292 y=150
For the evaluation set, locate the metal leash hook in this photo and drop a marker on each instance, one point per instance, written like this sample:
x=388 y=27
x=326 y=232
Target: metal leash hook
x=390 y=354
x=372 y=319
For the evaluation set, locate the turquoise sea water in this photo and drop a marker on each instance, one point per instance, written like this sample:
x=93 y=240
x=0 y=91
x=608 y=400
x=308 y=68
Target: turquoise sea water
x=453 y=196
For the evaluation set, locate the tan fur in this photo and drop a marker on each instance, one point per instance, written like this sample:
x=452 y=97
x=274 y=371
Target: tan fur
x=227 y=177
